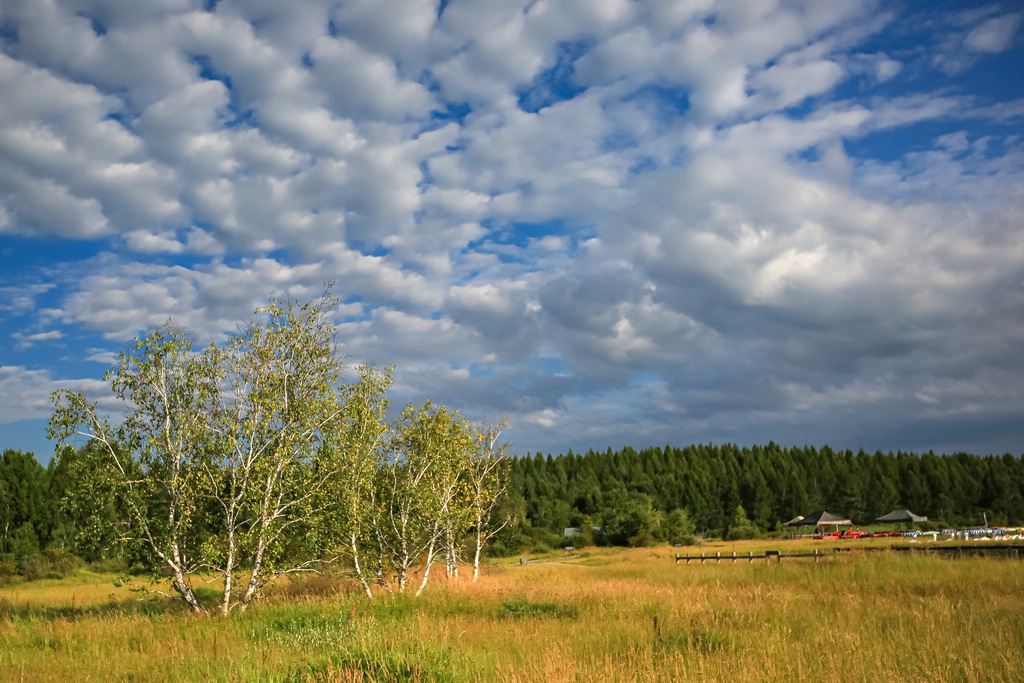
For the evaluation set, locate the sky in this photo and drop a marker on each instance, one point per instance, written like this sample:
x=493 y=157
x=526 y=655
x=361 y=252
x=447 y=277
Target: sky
x=608 y=222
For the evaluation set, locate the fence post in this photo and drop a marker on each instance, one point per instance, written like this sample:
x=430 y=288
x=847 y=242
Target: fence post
x=677 y=558
x=751 y=557
x=734 y=557
x=815 y=556
x=718 y=558
x=702 y=558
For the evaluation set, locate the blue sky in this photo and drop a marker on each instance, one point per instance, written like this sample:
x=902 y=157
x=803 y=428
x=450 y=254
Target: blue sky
x=608 y=222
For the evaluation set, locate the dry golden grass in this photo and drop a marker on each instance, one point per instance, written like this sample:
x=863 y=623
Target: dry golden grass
x=613 y=615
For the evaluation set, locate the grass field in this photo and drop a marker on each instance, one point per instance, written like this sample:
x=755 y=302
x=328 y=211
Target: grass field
x=617 y=615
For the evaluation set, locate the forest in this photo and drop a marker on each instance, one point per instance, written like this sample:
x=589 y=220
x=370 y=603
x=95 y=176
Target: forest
x=52 y=517
x=639 y=497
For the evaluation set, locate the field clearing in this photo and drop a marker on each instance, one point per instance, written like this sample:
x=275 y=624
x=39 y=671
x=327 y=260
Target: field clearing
x=611 y=614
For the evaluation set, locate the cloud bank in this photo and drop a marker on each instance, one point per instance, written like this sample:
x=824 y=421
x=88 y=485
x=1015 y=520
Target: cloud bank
x=609 y=222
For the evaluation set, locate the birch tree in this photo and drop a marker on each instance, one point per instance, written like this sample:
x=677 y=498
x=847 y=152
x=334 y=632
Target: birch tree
x=487 y=474
x=416 y=490
x=238 y=427
x=354 y=450
x=274 y=409
x=449 y=516
x=160 y=450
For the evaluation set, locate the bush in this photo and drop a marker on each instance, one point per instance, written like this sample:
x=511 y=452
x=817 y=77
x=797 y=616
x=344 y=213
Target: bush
x=678 y=526
x=23 y=542
x=138 y=569
x=740 y=533
x=34 y=567
x=107 y=565
x=8 y=569
x=643 y=539
x=576 y=541
x=63 y=562
x=497 y=549
x=630 y=517
x=542 y=541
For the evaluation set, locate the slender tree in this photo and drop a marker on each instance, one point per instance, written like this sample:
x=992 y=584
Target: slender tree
x=487 y=473
x=274 y=411
x=160 y=449
x=355 y=450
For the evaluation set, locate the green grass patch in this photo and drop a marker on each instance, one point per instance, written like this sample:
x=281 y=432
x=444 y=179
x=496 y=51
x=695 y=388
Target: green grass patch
x=524 y=609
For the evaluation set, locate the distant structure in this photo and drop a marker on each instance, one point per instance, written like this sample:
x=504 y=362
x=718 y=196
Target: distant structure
x=901 y=516
x=820 y=518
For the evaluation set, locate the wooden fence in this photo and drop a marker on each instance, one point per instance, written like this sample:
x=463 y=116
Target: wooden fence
x=750 y=557
x=959 y=551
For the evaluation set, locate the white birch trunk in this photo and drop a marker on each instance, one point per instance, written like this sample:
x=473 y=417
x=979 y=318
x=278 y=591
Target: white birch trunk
x=426 y=570
x=476 y=554
x=359 y=570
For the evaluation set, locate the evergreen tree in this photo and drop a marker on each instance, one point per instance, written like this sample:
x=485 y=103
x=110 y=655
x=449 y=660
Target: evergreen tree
x=26 y=509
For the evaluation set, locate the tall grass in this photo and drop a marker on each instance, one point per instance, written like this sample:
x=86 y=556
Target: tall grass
x=615 y=615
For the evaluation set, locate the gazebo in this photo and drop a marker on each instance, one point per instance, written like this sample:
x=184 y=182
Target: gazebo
x=901 y=516
x=821 y=518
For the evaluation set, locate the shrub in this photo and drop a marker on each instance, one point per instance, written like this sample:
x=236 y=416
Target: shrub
x=739 y=533
x=630 y=517
x=542 y=541
x=643 y=539
x=678 y=526
x=8 y=569
x=576 y=541
x=138 y=569
x=497 y=549
x=63 y=562
x=34 y=567
x=108 y=565
x=23 y=542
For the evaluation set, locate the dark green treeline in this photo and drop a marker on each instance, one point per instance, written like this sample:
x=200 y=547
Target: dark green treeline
x=57 y=513
x=665 y=493
x=772 y=484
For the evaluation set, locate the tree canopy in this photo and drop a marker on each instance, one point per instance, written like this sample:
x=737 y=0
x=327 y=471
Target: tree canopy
x=726 y=487
x=250 y=459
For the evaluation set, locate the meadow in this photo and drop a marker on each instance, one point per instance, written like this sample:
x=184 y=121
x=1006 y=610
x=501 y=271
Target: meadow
x=607 y=614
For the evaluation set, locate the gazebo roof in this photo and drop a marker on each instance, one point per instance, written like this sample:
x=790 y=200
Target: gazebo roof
x=821 y=517
x=901 y=516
